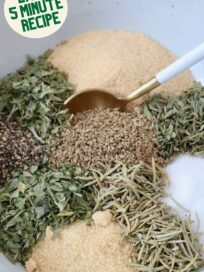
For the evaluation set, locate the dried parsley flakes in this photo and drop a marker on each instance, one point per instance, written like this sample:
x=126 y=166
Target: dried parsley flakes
x=179 y=122
x=33 y=96
x=34 y=199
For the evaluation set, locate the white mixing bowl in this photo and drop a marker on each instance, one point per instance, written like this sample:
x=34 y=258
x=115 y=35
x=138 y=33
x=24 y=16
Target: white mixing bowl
x=176 y=24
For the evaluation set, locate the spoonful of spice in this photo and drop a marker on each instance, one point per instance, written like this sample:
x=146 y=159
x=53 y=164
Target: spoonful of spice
x=96 y=98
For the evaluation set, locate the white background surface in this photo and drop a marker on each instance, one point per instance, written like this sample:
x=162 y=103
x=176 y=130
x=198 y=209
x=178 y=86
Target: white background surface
x=178 y=24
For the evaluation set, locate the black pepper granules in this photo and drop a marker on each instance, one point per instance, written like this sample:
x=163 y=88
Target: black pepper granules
x=18 y=148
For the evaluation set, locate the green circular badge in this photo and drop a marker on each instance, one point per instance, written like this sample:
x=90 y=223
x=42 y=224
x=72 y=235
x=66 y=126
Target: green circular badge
x=35 y=18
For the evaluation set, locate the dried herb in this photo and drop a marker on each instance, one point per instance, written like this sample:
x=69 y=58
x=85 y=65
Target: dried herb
x=33 y=96
x=36 y=198
x=18 y=148
x=160 y=240
x=179 y=122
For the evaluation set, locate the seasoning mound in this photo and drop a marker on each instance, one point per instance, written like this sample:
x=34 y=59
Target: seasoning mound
x=82 y=248
x=117 y=60
x=129 y=197
x=18 y=148
x=36 y=198
x=160 y=239
x=178 y=122
x=33 y=96
x=105 y=136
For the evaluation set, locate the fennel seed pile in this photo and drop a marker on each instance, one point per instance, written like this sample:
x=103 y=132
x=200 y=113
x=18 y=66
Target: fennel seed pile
x=105 y=136
x=18 y=148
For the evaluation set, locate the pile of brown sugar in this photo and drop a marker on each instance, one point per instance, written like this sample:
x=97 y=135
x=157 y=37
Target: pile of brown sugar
x=106 y=135
x=118 y=61
x=82 y=248
x=18 y=148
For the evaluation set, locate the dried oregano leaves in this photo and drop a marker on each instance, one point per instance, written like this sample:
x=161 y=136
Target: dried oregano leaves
x=33 y=96
x=36 y=198
x=179 y=122
x=18 y=148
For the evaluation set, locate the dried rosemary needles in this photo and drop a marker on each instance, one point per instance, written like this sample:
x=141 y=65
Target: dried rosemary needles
x=160 y=240
x=179 y=122
x=33 y=96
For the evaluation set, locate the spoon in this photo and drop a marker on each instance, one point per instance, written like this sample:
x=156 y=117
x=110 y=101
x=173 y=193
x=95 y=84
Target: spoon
x=96 y=98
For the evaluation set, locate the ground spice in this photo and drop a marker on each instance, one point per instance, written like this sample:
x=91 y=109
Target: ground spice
x=18 y=148
x=106 y=135
x=82 y=248
x=116 y=60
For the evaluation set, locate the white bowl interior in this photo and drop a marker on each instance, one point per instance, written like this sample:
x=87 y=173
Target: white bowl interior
x=176 y=24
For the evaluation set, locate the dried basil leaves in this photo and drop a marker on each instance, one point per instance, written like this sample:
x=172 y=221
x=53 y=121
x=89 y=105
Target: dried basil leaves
x=33 y=96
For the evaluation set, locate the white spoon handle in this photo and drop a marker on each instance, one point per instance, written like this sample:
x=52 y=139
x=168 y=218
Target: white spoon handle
x=169 y=72
x=181 y=64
